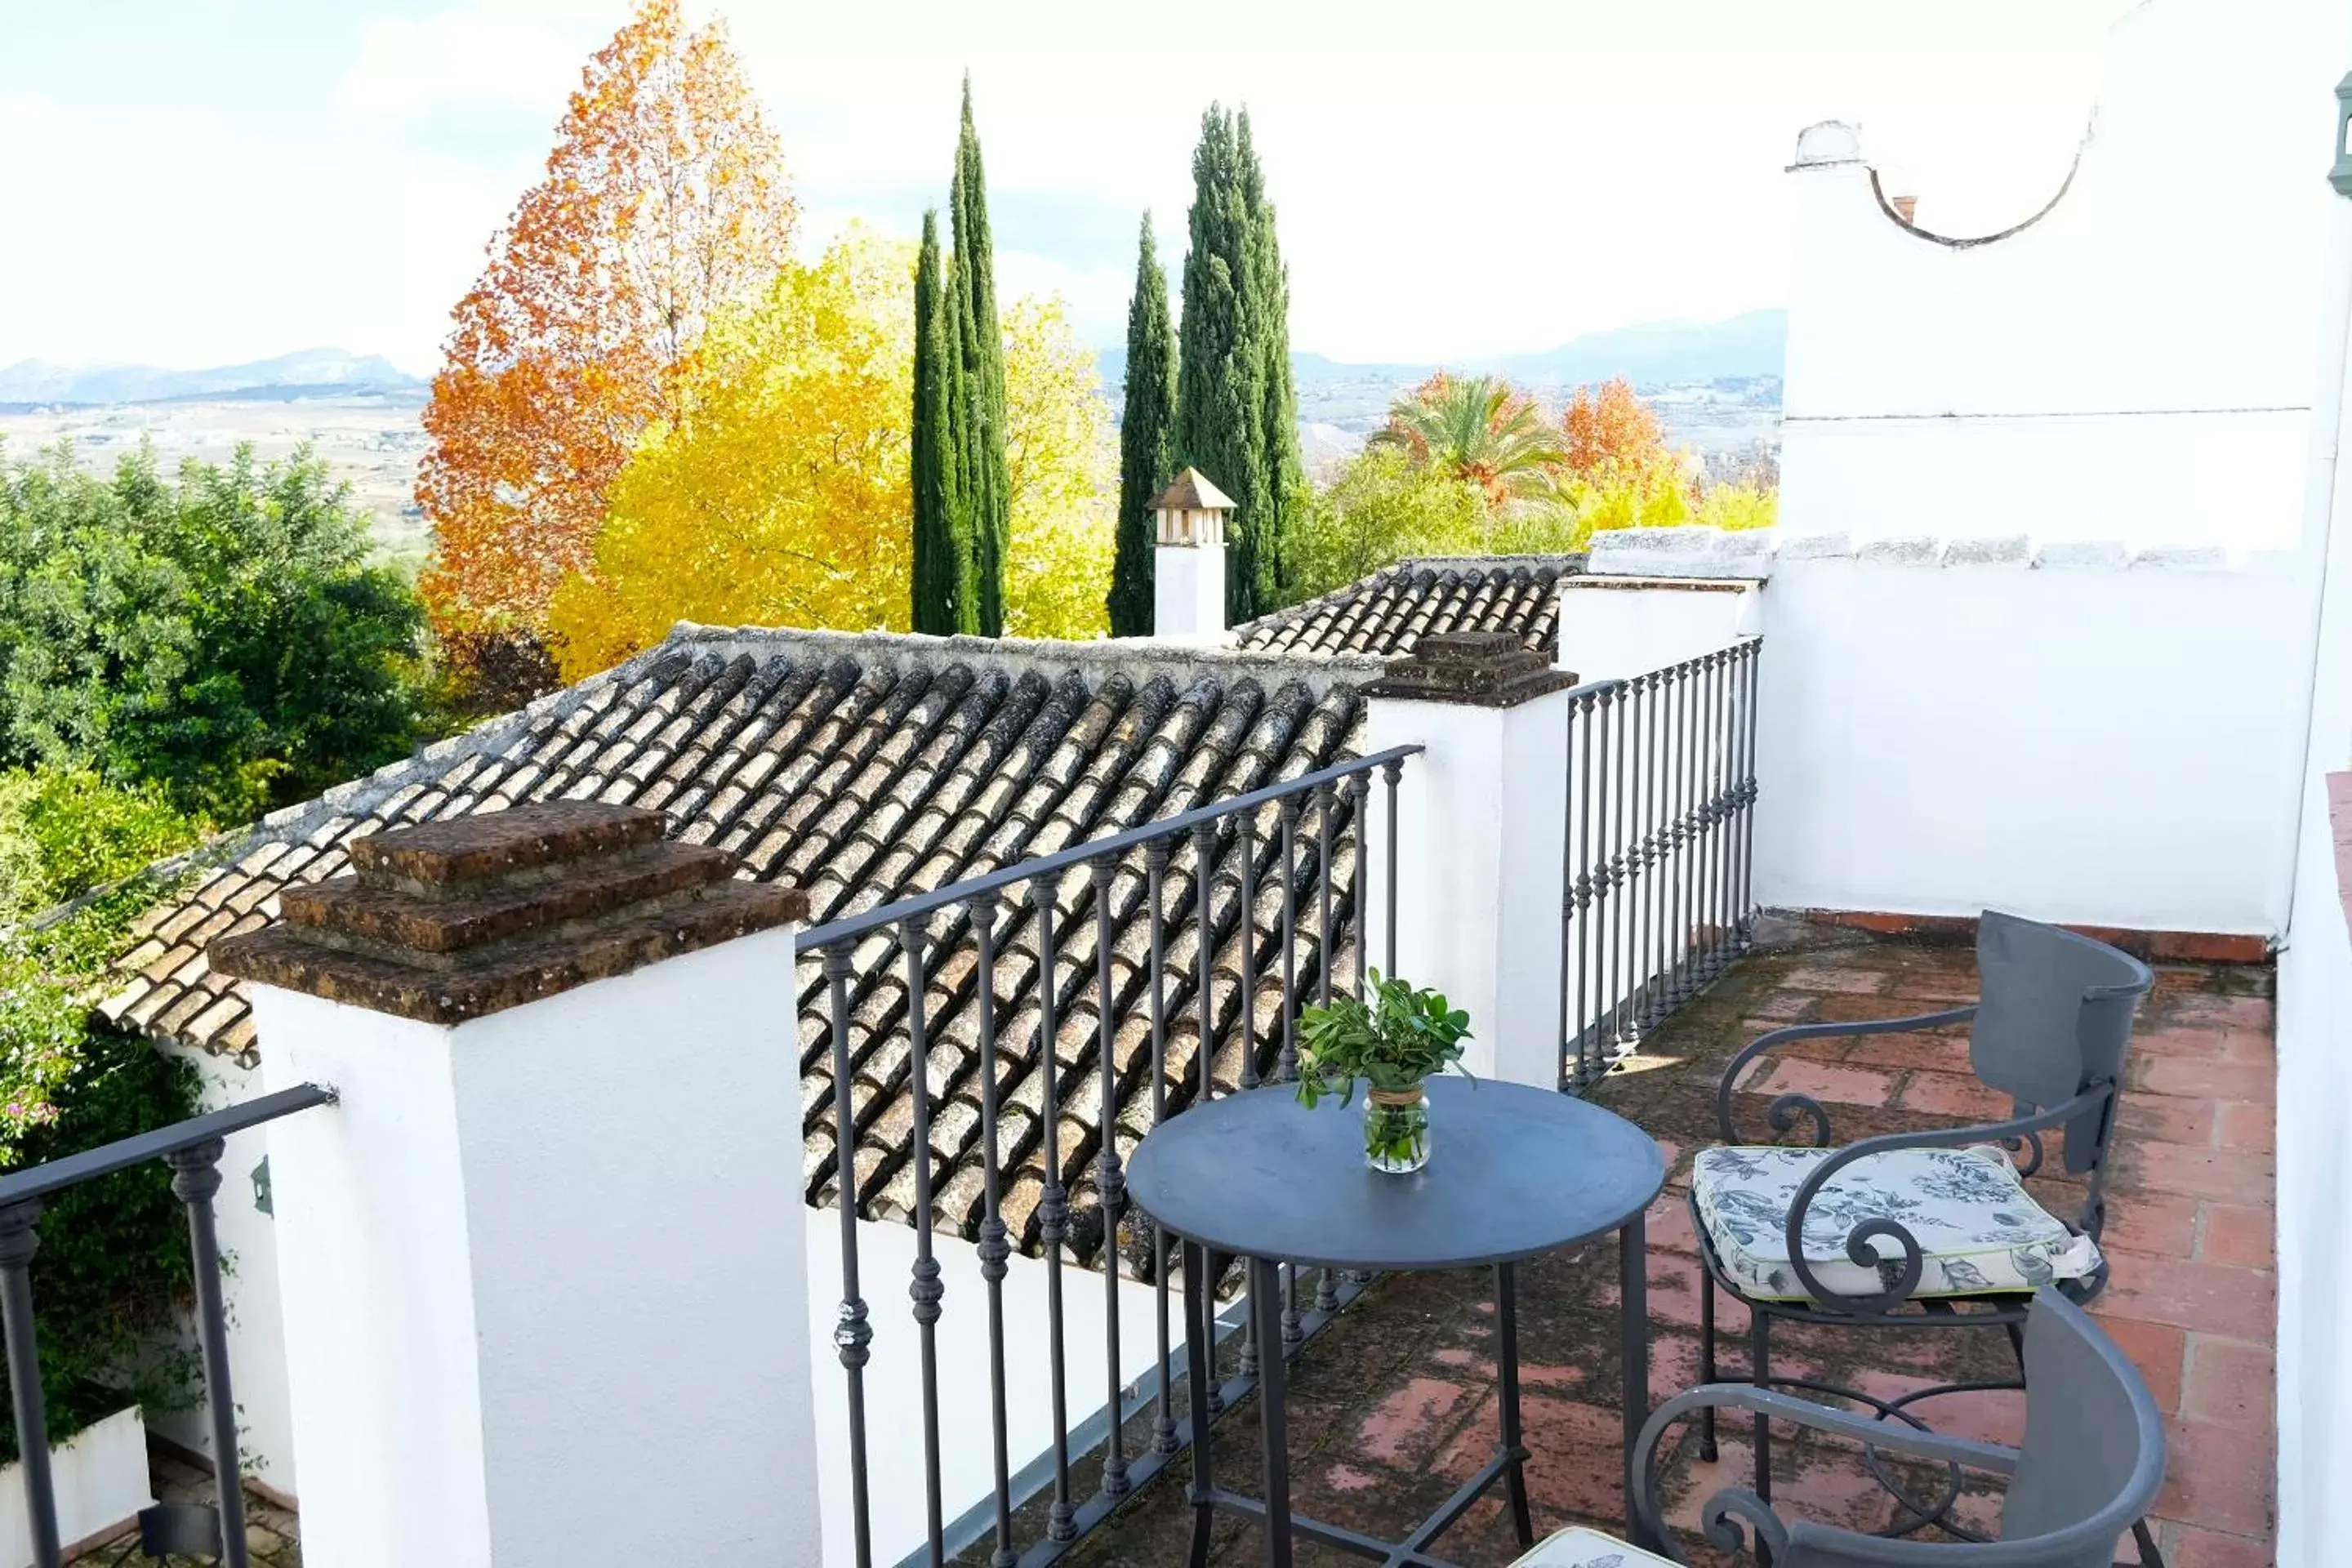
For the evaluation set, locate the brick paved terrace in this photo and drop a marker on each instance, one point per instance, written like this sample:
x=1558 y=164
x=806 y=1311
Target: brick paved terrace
x=1394 y=1403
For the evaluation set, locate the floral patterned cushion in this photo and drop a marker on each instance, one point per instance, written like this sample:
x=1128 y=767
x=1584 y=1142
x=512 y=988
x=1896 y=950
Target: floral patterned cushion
x=1980 y=1229
x=1587 y=1549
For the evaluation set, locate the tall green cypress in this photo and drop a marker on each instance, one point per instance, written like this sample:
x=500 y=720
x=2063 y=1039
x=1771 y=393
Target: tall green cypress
x=1147 y=449
x=1285 y=471
x=980 y=498
x=1236 y=406
x=939 y=569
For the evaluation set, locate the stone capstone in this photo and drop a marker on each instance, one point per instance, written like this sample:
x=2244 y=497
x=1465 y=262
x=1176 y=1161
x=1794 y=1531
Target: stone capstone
x=1478 y=669
x=460 y=919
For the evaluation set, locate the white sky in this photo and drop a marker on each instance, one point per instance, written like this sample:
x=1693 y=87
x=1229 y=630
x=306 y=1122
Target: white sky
x=194 y=181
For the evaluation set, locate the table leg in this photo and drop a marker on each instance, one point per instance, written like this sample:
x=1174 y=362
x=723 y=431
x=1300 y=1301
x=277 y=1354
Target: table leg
x=1265 y=1309
x=1514 y=1478
x=1201 y=1369
x=1633 y=1328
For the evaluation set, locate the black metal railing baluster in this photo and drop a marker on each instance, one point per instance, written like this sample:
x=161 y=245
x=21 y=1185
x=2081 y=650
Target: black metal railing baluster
x=1678 y=765
x=1326 y=795
x=1204 y=860
x=1719 y=952
x=1584 y=894
x=1110 y=1182
x=1611 y=906
x=1654 y=805
x=1360 y=799
x=1052 y=1203
x=1286 y=1069
x=195 y=1181
x=1390 y=773
x=1747 y=800
x=923 y=1289
x=851 y=1333
x=1155 y=874
x=994 y=1248
x=1246 y=842
x=19 y=1239
x=1636 y=884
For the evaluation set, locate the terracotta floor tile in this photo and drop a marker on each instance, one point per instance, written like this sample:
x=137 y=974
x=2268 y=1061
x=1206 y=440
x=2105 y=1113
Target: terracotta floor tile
x=2241 y=1304
x=2160 y=1350
x=1936 y=1053
x=2229 y=1382
x=2240 y=1124
x=2168 y=1117
x=2230 y=1175
x=2161 y=1223
x=1950 y=1094
x=2194 y=1548
x=1825 y=977
x=2206 y=1080
x=1839 y=1084
x=2246 y=1235
x=2216 y=1479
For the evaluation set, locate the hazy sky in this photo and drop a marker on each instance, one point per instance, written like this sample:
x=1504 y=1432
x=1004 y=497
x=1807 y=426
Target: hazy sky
x=192 y=181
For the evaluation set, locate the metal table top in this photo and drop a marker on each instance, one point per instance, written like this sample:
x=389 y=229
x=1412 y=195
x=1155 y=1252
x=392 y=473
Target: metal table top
x=1513 y=1172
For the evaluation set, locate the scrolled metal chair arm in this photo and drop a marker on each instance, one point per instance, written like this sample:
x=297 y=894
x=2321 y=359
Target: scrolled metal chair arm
x=1782 y=1119
x=1722 y=1515
x=1858 y=1247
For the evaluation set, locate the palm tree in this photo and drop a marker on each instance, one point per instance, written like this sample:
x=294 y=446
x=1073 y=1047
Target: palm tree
x=1481 y=429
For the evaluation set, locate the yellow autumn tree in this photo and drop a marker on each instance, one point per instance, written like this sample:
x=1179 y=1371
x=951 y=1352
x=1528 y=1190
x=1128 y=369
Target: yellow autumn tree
x=664 y=205
x=777 y=493
x=1061 y=460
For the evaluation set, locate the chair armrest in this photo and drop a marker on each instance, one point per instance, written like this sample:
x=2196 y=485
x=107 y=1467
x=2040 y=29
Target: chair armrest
x=1784 y=1111
x=1726 y=1510
x=1858 y=1242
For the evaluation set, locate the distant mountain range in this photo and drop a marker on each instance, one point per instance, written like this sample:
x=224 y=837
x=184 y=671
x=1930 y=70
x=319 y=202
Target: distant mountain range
x=310 y=372
x=1655 y=353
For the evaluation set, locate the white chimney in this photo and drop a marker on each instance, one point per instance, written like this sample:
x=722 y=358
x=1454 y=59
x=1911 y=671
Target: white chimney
x=1188 y=569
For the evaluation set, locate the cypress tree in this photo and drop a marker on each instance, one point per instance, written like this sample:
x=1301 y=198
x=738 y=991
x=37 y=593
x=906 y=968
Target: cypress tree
x=939 y=568
x=1268 y=293
x=1236 y=406
x=1146 y=440
x=980 y=497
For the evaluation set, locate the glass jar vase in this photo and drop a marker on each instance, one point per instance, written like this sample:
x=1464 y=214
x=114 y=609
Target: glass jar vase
x=1396 y=1129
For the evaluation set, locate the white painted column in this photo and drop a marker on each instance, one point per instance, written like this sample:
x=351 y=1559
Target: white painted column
x=1188 y=592
x=543 y=1266
x=1481 y=816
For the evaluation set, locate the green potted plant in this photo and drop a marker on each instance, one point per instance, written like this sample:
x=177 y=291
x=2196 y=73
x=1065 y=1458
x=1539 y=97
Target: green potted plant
x=1394 y=1038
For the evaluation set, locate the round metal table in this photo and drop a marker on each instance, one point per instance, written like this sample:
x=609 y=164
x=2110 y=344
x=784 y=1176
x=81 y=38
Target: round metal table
x=1513 y=1172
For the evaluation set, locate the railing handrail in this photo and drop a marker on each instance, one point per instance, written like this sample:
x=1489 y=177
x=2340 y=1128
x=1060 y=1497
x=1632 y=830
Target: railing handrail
x=853 y=926
x=125 y=1153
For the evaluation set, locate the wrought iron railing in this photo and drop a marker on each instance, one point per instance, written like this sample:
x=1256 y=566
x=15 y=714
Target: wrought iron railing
x=193 y=1151
x=1024 y=951
x=1660 y=847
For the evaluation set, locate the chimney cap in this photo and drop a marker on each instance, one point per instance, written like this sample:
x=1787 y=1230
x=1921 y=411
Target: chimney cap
x=1192 y=491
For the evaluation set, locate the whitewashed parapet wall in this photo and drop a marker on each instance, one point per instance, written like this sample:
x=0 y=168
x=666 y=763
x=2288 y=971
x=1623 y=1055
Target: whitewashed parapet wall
x=2073 y=730
x=2131 y=361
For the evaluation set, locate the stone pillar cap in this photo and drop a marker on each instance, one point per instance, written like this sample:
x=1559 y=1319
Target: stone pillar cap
x=1477 y=670
x=461 y=918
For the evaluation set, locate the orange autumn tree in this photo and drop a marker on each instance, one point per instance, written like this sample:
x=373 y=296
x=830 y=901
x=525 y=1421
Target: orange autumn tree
x=665 y=201
x=1612 y=435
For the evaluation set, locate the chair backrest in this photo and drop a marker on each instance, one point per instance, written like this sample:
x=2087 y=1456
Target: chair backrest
x=2094 y=1438
x=2090 y=1467
x=2054 y=1015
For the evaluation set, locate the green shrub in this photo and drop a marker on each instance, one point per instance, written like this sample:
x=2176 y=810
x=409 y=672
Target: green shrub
x=112 y=1277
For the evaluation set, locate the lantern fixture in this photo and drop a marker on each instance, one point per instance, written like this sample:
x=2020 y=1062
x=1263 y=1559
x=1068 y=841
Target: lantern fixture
x=2340 y=176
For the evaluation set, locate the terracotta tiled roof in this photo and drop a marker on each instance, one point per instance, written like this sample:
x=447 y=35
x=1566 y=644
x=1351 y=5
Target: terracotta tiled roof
x=1384 y=615
x=865 y=769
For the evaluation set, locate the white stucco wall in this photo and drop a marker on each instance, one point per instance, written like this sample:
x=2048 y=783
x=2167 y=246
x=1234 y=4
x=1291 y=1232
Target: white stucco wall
x=543 y=1274
x=2134 y=365
x=1611 y=627
x=2314 y=1000
x=257 y=1334
x=2103 y=744
x=1480 y=879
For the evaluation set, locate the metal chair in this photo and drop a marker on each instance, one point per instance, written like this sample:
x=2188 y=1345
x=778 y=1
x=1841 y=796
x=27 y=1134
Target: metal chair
x=2087 y=1472
x=1931 y=1230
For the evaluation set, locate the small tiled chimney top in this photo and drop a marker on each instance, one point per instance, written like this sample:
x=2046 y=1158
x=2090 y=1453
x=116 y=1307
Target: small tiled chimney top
x=1192 y=511
x=461 y=918
x=1478 y=669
